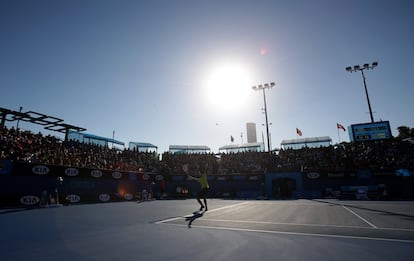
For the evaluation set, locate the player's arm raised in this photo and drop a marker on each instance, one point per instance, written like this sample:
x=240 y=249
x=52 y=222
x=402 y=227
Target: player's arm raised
x=185 y=169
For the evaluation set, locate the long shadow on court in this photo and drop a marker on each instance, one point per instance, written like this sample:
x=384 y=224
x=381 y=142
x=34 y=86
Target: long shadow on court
x=196 y=215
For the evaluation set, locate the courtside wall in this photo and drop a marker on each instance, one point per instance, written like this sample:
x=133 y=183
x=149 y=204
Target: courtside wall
x=27 y=184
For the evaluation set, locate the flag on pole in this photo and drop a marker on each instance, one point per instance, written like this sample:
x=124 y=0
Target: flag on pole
x=340 y=126
x=299 y=132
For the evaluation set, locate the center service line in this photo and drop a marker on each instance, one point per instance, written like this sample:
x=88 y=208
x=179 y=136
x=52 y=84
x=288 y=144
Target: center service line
x=358 y=216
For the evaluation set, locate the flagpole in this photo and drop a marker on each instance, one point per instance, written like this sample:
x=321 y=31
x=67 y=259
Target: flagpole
x=339 y=126
x=339 y=139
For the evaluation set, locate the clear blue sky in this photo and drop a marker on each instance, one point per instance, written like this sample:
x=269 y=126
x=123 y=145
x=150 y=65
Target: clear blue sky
x=144 y=68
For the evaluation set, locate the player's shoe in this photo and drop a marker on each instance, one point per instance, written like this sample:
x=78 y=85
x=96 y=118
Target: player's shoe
x=201 y=208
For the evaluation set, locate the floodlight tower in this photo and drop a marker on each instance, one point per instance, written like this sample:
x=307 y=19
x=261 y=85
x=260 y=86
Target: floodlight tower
x=366 y=67
x=263 y=87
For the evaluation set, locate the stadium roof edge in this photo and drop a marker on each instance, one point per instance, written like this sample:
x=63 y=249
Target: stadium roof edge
x=142 y=144
x=189 y=147
x=306 y=140
x=245 y=145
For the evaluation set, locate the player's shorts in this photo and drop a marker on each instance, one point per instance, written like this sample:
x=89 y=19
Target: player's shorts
x=203 y=192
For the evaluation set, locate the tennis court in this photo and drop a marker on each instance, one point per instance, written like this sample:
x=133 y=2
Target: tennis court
x=230 y=230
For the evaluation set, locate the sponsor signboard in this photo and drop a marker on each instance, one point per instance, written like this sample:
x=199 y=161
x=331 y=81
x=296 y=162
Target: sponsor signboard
x=117 y=175
x=71 y=172
x=96 y=173
x=29 y=200
x=40 y=170
x=313 y=175
x=128 y=196
x=73 y=198
x=104 y=197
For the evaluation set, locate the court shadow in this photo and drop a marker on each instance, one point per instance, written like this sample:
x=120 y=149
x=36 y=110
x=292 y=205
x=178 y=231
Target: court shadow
x=195 y=216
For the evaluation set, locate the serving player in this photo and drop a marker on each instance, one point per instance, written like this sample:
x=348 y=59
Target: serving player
x=202 y=179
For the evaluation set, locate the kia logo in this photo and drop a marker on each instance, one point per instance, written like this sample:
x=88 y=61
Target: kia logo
x=128 y=196
x=145 y=177
x=29 y=200
x=159 y=177
x=96 y=173
x=71 y=172
x=73 y=198
x=117 y=175
x=313 y=175
x=40 y=170
x=104 y=197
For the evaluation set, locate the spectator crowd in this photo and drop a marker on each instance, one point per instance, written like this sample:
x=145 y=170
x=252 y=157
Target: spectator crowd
x=25 y=146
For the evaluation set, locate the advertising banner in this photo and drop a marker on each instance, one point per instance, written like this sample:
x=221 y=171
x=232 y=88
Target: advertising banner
x=28 y=169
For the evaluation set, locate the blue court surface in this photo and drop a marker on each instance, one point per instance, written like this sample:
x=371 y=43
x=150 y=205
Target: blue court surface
x=229 y=230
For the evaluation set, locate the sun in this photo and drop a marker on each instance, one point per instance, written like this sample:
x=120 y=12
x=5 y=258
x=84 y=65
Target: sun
x=227 y=86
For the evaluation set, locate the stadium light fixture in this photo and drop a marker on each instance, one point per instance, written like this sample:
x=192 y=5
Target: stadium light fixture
x=263 y=87
x=366 y=67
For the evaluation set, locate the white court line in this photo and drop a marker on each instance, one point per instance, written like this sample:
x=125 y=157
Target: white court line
x=209 y=211
x=363 y=219
x=235 y=205
x=304 y=224
x=299 y=234
x=280 y=223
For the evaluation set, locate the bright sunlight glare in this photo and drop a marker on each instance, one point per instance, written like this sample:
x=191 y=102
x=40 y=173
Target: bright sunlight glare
x=228 y=87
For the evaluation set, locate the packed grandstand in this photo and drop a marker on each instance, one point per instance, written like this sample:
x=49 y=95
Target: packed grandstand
x=369 y=168
x=25 y=146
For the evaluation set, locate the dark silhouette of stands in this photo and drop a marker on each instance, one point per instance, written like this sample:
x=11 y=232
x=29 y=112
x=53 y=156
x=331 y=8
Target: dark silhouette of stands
x=25 y=146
